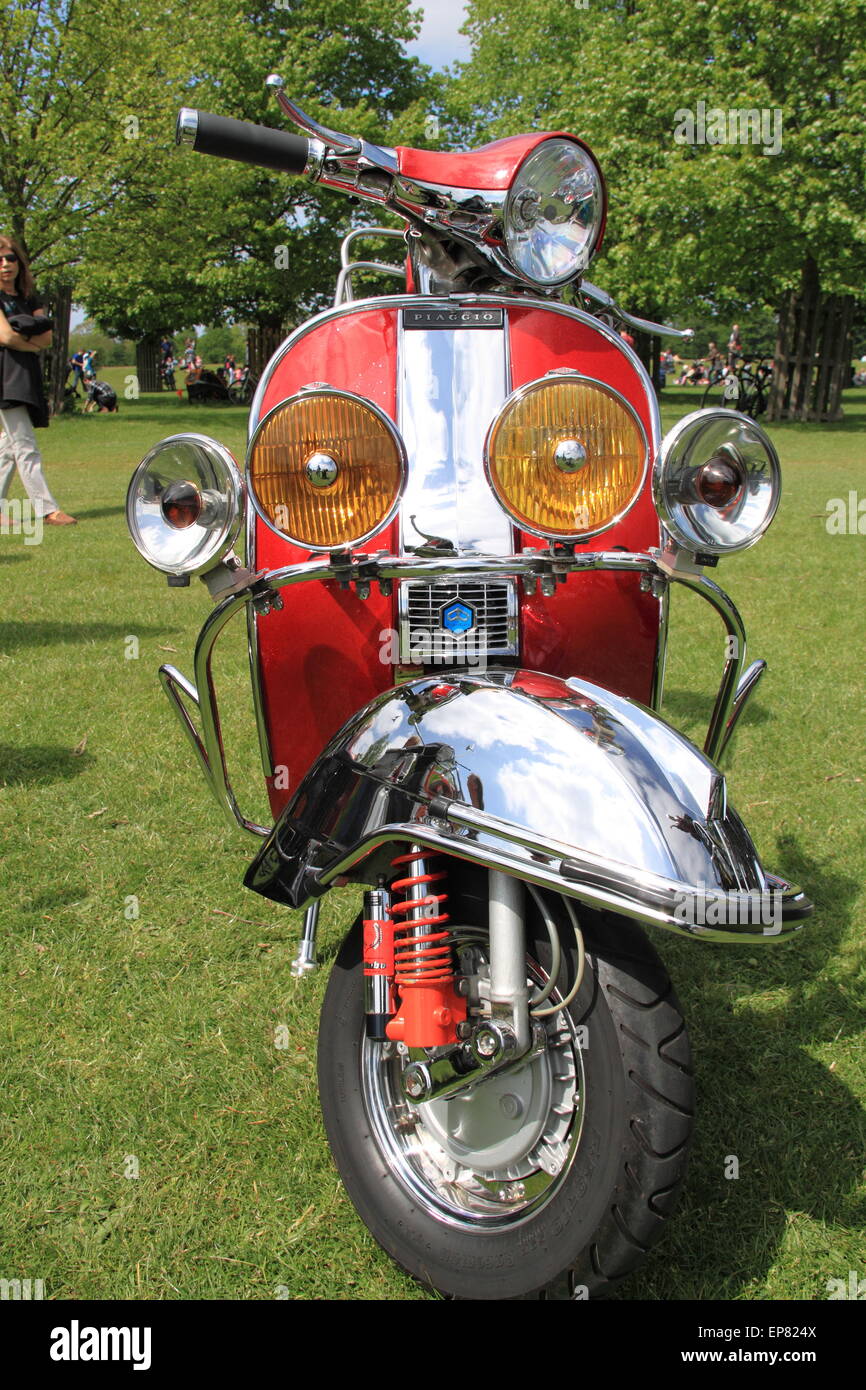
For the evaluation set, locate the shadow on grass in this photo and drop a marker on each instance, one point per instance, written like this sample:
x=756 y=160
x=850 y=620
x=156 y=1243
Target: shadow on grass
x=794 y=1127
x=688 y=704
x=12 y=559
x=91 y=513
x=30 y=766
x=47 y=634
x=56 y=897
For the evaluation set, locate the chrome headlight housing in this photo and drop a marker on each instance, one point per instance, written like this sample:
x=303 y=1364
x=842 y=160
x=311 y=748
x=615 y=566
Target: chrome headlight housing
x=554 y=212
x=185 y=504
x=717 y=482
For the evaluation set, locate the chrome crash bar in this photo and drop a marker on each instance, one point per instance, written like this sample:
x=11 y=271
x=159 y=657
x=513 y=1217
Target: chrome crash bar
x=600 y=884
x=363 y=570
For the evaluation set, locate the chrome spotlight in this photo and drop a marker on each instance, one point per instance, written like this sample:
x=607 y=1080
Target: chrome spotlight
x=185 y=504
x=716 y=482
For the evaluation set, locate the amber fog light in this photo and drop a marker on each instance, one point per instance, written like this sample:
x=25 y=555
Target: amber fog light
x=566 y=457
x=326 y=469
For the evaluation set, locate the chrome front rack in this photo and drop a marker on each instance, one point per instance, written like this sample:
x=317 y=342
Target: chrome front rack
x=736 y=686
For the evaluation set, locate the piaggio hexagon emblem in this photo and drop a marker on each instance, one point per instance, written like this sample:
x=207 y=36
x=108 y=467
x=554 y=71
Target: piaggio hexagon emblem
x=457 y=617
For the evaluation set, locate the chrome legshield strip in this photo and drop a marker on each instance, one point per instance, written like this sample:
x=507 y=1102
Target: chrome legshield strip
x=450 y=383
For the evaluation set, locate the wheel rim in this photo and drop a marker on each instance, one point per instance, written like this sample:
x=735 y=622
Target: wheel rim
x=495 y=1156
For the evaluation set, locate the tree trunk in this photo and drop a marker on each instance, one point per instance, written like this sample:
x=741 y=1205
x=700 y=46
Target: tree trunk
x=147 y=363
x=58 y=304
x=263 y=339
x=648 y=348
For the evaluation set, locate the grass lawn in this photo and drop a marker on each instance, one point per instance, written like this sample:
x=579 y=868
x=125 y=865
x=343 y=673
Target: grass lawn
x=156 y=1143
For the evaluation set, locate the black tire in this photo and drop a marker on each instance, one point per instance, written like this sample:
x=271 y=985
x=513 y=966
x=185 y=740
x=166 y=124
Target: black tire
x=611 y=1201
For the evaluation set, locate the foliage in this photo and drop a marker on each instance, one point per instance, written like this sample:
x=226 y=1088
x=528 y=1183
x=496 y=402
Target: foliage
x=79 y=85
x=720 y=225
x=215 y=344
x=110 y=352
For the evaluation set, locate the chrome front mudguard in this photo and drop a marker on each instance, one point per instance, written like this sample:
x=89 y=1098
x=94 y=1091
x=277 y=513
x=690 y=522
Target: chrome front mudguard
x=557 y=782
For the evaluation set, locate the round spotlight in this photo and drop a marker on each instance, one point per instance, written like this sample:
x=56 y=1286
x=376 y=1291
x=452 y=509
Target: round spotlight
x=185 y=504
x=717 y=482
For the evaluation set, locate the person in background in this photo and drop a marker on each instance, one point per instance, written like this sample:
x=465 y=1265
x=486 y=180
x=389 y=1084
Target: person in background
x=77 y=364
x=735 y=346
x=101 y=398
x=22 y=398
x=89 y=367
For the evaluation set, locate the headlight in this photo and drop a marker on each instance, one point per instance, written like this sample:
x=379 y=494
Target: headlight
x=566 y=457
x=554 y=212
x=326 y=469
x=717 y=481
x=185 y=504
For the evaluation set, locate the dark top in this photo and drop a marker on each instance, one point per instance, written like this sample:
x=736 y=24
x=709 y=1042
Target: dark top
x=21 y=372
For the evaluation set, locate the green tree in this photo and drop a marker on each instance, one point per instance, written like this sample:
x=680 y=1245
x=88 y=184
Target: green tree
x=210 y=241
x=712 y=226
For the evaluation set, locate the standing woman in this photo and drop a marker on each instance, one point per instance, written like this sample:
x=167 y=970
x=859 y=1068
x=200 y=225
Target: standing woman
x=22 y=398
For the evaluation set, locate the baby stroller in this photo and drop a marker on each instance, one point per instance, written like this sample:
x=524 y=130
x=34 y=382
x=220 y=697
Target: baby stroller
x=100 y=397
x=206 y=387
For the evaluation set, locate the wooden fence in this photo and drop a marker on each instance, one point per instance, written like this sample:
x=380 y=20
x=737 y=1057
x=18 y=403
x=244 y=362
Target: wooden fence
x=813 y=355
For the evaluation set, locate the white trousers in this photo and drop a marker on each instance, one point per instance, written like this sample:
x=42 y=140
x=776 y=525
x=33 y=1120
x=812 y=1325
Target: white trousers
x=18 y=449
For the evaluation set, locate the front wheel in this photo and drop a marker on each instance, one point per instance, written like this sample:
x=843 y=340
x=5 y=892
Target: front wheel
x=551 y=1180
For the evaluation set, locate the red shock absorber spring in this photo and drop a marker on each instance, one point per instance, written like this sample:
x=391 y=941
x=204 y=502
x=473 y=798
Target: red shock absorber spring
x=430 y=1008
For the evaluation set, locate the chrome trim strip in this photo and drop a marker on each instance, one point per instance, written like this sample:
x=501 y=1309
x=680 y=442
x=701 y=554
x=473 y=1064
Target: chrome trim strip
x=450 y=382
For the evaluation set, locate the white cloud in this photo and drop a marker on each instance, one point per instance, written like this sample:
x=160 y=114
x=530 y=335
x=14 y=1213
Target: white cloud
x=440 y=42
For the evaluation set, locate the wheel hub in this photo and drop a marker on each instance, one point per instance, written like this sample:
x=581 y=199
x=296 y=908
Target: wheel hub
x=493 y=1154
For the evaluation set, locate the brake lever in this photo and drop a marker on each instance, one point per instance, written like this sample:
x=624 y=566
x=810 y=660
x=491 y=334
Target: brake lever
x=340 y=144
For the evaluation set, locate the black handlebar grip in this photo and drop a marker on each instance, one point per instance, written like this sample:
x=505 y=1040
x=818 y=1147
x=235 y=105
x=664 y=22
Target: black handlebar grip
x=251 y=144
